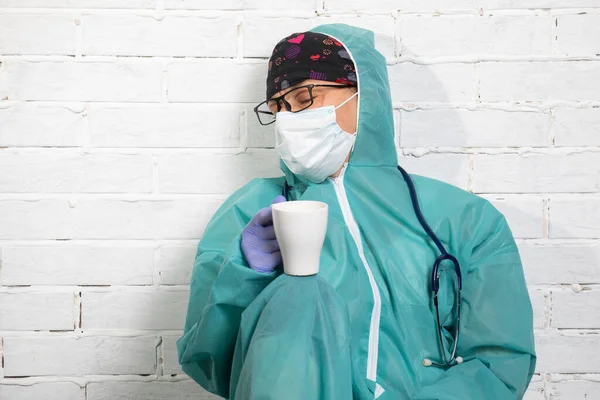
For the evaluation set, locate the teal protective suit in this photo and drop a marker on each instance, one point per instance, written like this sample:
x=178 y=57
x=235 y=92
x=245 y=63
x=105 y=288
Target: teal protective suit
x=362 y=327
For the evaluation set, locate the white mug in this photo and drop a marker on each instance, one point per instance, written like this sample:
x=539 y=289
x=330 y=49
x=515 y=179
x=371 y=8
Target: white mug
x=300 y=228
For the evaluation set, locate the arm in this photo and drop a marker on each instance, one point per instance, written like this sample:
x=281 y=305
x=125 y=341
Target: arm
x=221 y=288
x=496 y=338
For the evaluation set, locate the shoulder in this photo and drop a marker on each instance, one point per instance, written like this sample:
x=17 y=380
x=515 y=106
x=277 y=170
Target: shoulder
x=237 y=210
x=474 y=220
x=438 y=193
x=251 y=197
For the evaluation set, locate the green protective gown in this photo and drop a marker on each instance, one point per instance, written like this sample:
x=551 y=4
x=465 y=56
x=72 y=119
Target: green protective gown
x=362 y=327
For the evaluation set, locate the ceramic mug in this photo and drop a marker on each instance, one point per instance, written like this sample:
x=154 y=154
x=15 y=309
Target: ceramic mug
x=300 y=228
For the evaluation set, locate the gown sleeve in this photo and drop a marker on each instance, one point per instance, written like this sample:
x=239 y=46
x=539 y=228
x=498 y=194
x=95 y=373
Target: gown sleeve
x=496 y=336
x=222 y=286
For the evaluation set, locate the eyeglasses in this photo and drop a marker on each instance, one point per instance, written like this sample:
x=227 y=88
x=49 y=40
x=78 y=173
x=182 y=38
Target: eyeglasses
x=295 y=100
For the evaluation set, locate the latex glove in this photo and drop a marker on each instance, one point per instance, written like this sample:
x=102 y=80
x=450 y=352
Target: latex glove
x=259 y=244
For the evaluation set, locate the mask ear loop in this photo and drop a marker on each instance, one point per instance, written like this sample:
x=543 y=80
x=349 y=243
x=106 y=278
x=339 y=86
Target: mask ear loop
x=353 y=144
x=347 y=100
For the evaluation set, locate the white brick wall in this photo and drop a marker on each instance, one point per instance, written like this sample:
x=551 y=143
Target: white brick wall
x=119 y=139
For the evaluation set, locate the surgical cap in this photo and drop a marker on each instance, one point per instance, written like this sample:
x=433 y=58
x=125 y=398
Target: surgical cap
x=308 y=55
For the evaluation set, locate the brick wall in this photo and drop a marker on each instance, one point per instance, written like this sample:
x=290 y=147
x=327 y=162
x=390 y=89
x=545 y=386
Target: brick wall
x=119 y=139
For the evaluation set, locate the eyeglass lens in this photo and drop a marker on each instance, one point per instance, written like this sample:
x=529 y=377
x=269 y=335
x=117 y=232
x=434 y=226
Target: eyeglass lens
x=295 y=100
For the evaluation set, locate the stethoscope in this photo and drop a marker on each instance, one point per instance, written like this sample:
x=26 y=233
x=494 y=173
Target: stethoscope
x=435 y=277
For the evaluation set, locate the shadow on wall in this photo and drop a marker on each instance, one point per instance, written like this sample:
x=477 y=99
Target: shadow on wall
x=496 y=150
x=505 y=152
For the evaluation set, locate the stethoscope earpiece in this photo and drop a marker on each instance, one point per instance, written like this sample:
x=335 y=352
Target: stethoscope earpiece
x=428 y=363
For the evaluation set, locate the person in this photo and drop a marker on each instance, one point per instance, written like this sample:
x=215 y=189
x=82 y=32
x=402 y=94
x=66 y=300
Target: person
x=329 y=100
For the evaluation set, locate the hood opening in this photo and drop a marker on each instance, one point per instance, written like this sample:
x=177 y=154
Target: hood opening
x=375 y=142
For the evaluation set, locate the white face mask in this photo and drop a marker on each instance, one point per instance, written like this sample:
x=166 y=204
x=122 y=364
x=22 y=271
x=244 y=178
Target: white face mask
x=311 y=143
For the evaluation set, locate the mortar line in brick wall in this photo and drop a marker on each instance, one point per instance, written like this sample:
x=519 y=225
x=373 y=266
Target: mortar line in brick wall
x=36 y=58
x=133 y=151
x=478 y=10
x=504 y=58
x=549 y=310
x=575 y=331
x=155 y=269
x=521 y=151
x=398 y=24
x=164 y=84
x=513 y=106
x=320 y=7
x=158 y=14
x=78 y=312
x=92 y=333
x=161 y=197
x=77 y=106
x=545 y=386
x=159 y=356
x=225 y=151
x=554 y=34
x=419 y=60
x=546 y=207
x=566 y=286
x=546 y=324
x=78 y=35
x=240 y=38
x=586 y=376
x=85 y=128
x=155 y=187
x=562 y=332
x=551 y=127
x=219 y=197
x=82 y=380
x=540 y=196
x=579 y=287
x=102 y=242
x=477 y=79
x=79 y=289
x=1 y=359
x=509 y=106
x=112 y=196
x=243 y=132
x=426 y=60
x=509 y=12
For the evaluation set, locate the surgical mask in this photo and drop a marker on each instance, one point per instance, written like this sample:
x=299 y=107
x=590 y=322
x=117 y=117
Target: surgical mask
x=311 y=143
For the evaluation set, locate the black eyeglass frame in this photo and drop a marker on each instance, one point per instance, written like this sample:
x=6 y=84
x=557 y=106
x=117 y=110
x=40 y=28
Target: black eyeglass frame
x=288 y=106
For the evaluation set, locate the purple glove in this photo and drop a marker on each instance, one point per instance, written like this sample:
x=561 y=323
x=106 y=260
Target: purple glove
x=258 y=241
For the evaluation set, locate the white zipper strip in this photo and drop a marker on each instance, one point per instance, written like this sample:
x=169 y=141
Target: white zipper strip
x=338 y=184
x=373 y=351
x=378 y=390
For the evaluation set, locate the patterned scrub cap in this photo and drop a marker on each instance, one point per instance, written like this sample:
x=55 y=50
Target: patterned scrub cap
x=308 y=55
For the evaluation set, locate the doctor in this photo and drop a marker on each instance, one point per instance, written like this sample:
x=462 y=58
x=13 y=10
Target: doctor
x=329 y=100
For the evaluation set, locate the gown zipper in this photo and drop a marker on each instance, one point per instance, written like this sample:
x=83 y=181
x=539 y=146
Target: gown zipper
x=373 y=350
